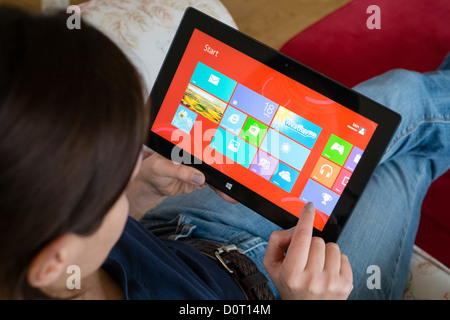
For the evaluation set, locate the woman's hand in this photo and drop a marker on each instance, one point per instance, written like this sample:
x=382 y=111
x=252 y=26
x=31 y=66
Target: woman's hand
x=159 y=178
x=167 y=178
x=310 y=269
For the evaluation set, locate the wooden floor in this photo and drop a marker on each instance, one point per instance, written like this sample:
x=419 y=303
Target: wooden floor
x=272 y=22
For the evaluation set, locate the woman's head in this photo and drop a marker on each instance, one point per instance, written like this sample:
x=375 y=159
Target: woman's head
x=72 y=124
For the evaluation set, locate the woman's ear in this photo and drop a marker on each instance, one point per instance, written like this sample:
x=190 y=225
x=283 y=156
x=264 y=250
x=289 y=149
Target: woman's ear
x=51 y=262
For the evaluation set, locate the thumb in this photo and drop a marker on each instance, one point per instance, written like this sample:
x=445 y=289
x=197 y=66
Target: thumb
x=189 y=174
x=161 y=167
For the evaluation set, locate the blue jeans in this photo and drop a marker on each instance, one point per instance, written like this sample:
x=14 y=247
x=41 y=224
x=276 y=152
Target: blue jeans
x=382 y=228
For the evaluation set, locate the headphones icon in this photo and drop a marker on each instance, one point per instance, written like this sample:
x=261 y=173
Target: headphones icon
x=322 y=170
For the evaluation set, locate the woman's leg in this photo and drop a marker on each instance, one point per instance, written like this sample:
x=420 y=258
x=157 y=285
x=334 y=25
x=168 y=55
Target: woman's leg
x=382 y=228
x=203 y=214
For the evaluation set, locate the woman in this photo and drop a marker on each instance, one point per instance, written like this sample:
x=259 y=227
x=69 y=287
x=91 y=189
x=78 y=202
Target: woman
x=72 y=125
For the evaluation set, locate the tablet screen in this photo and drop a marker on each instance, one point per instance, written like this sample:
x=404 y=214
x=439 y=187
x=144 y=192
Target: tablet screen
x=272 y=134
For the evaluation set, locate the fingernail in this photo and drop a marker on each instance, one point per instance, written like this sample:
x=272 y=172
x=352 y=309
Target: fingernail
x=198 y=178
x=310 y=207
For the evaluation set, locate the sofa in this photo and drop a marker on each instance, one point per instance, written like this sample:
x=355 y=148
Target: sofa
x=144 y=30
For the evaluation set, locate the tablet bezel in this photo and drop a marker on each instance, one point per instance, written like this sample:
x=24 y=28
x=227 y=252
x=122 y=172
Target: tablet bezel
x=386 y=119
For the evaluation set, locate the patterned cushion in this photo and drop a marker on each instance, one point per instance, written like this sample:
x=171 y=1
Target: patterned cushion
x=427 y=278
x=144 y=29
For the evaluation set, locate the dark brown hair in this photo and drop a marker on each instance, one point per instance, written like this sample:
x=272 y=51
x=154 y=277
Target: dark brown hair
x=72 y=124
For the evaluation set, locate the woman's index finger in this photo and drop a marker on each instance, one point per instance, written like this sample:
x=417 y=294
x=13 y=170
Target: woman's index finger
x=298 y=251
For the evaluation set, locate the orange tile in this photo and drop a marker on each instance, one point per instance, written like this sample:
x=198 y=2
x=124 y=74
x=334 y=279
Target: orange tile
x=325 y=172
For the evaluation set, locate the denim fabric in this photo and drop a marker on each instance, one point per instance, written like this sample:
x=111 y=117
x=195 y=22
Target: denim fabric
x=382 y=228
x=203 y=214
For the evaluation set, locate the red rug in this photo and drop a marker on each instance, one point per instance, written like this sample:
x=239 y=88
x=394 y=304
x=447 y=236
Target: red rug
x=413 y=34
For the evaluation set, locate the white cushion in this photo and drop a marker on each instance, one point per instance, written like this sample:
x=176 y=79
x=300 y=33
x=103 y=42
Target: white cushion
x=144 y=29
x=427 y=278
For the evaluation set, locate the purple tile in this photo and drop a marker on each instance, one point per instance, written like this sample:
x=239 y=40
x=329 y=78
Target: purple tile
x=324 y=199
x=254 y=104
x=264 y=165
x=353 y=159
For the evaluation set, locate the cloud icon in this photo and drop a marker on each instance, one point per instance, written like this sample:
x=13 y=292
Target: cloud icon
x=285 y=175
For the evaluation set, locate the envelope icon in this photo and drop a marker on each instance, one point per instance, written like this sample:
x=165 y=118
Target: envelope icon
x=214 y=80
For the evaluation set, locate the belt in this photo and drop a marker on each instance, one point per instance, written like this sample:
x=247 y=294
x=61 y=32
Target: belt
x=253 y=283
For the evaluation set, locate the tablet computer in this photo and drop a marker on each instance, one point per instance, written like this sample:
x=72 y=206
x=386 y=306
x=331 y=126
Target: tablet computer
x=263 y=128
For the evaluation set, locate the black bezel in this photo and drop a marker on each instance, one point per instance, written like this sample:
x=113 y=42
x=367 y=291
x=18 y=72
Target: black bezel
x=386 y=119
